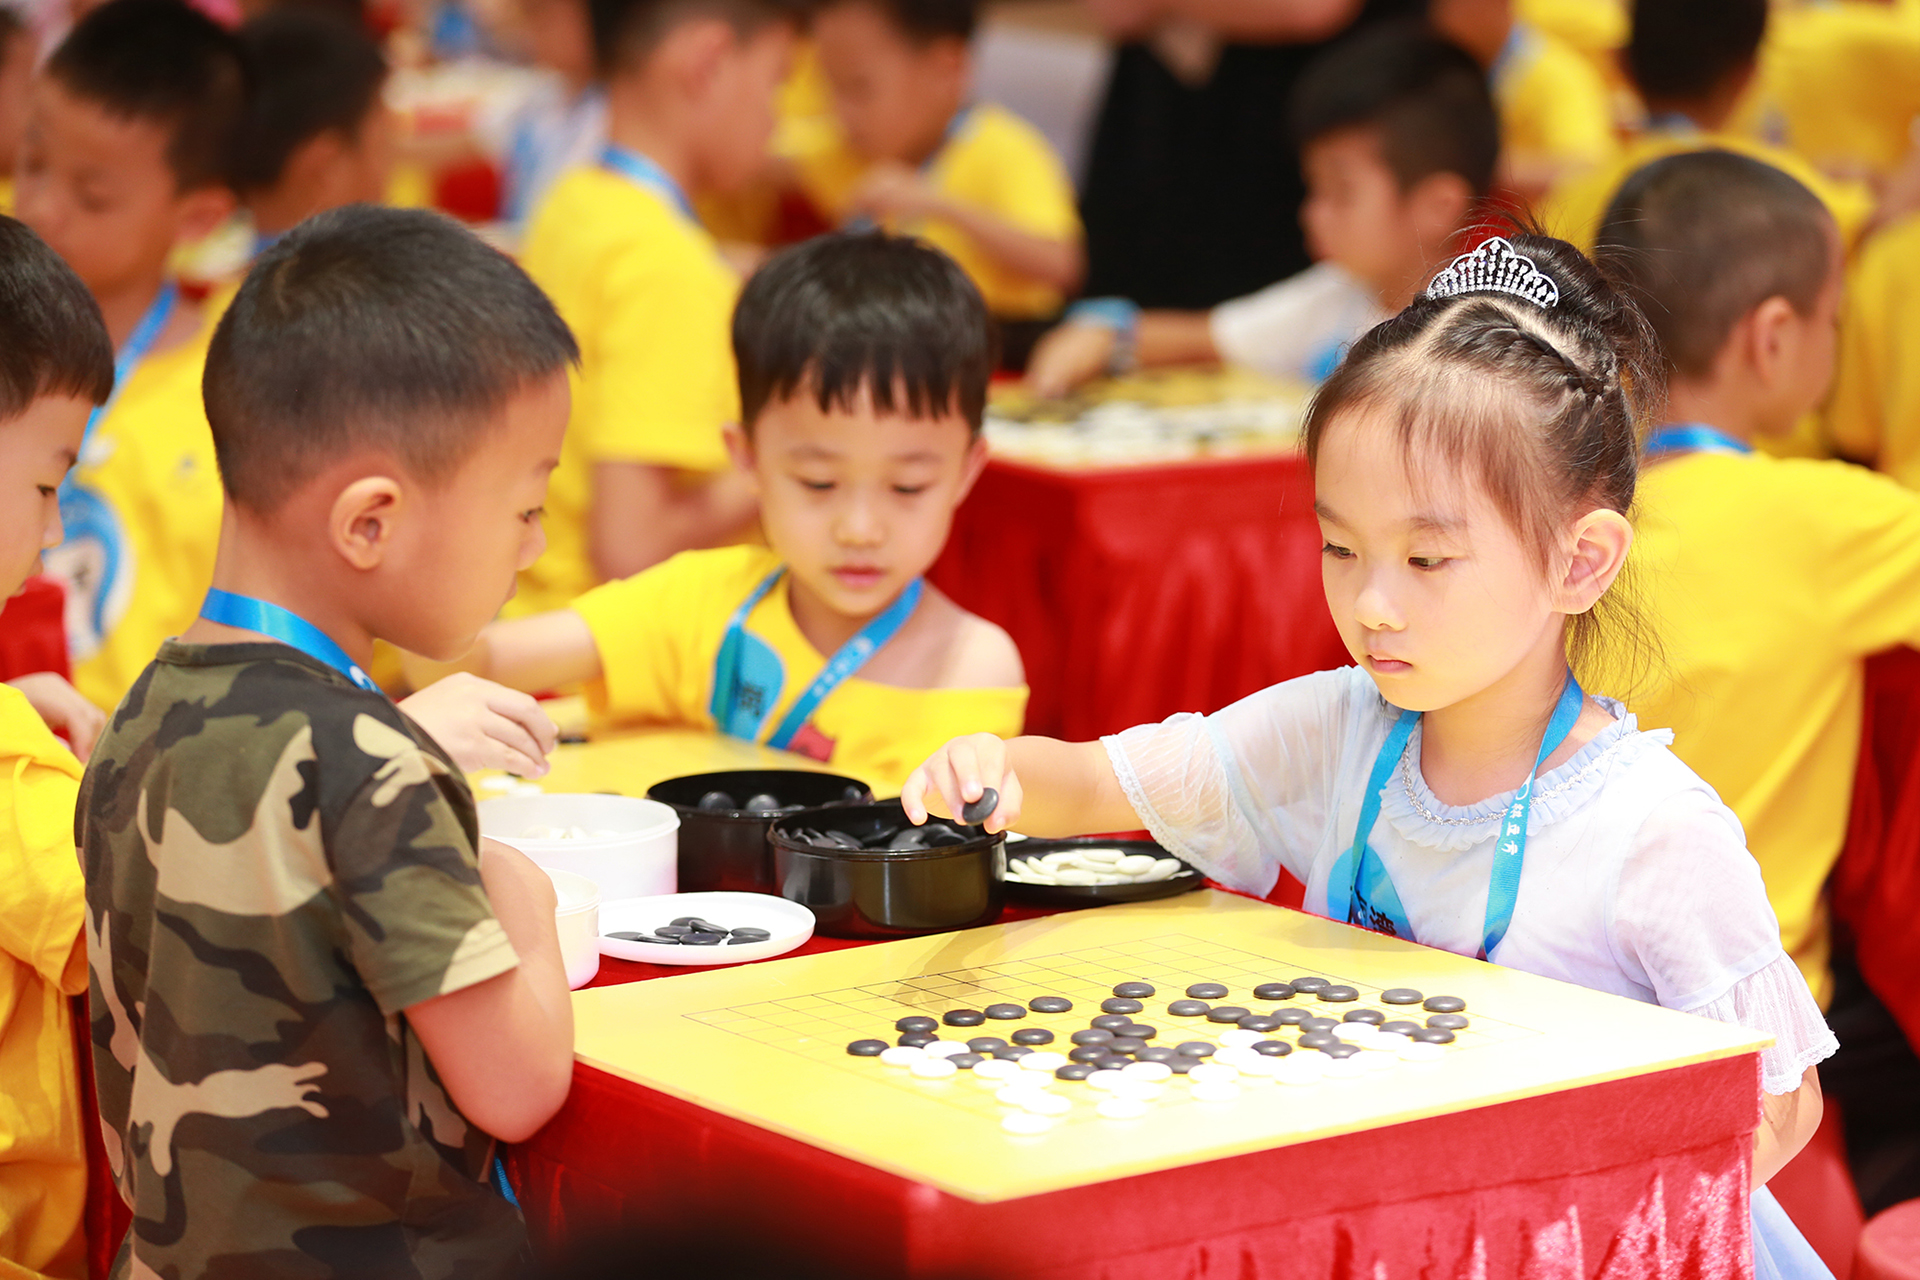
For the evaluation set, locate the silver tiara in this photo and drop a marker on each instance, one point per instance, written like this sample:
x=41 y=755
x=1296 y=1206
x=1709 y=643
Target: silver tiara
x=1495 y=268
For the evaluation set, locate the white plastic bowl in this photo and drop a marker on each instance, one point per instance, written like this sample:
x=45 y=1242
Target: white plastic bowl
x=790 y=924
x=640 y=859
x=577 y=917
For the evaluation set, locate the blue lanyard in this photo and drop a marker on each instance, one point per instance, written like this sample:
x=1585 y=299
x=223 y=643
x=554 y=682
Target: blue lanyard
x=854 y=654
x=1365 y=891
x=127 y=360
x=1691 y=437
x=644 y=172
x=286 y=626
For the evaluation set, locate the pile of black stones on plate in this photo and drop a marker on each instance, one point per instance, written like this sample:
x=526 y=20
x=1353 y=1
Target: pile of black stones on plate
x=692 y=931
x=907 y=837
x=762 y=805
x=1116 y=1038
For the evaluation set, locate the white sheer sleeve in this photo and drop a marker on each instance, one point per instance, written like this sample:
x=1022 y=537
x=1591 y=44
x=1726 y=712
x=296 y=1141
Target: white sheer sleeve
x=1691 y=912
x=1247 y=790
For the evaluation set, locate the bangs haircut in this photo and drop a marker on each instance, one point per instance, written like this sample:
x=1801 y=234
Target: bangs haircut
x=316 y=72
x=52 y=339
x=395 y=330
x=161 y=62
x=1684 y=50
x=864 y=312
x=1542 y=406
x=1427 y=99
x=923 y=22
x=1702 y=239
x=625 y=32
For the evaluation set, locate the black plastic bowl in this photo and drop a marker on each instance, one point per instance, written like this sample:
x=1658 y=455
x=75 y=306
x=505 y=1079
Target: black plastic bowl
x=726 y=849
x=873 y=893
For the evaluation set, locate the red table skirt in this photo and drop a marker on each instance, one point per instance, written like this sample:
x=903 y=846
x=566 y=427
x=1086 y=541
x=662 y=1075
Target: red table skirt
x=33 y=635
x=1635 y=1178
x=1133 y=594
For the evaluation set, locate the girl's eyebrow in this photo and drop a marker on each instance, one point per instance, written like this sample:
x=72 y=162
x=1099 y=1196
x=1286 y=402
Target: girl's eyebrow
x=1421 y=522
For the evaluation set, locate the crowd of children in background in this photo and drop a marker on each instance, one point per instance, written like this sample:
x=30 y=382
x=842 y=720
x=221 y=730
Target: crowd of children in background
x=688 y=452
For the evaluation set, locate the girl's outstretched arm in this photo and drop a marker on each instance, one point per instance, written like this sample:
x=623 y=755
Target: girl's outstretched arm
x=1786 y=1125
x=1047 y=787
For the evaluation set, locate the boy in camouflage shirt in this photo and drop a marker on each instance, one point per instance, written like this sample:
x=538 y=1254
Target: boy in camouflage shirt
x=317 y=996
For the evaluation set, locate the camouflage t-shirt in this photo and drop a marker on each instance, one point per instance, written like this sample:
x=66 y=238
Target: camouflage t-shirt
x=278 y=864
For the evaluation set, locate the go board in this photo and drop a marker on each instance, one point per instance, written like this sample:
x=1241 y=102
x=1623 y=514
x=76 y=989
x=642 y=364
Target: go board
x=768 y=1043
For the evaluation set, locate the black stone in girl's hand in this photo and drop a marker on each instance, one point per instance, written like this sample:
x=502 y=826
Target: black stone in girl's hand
x=980 y=810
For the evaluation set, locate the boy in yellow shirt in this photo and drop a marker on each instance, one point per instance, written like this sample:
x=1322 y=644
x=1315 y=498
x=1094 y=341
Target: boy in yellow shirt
x=1769 y=580
x=129 y=137
x=690 y=89
x=1691 y=61
x=864 y=362
x=917 y=157
x=56 y=364
x=1874 y=414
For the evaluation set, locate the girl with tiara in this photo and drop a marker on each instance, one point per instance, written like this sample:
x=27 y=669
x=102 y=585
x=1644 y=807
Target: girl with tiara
x=1474 y=463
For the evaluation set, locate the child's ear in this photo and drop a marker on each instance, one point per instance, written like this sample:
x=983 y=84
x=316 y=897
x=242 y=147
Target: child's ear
x=198 y=212
x=1439 y=204
x=740 y=449
x=361 y=524
x=976 y=462
x=1601 y=541
x=696 y=51
x=1769 y=339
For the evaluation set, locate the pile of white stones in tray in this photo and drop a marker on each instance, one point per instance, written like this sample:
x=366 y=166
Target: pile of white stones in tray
x=1092 y=866
x=542 y=832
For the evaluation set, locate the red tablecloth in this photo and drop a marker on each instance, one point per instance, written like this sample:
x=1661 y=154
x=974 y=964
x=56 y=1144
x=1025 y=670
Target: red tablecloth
x=33 y=634
x=1136 y=593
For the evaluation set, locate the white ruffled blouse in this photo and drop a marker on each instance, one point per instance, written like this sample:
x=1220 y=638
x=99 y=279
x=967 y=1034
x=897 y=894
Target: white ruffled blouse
x=1637 y=879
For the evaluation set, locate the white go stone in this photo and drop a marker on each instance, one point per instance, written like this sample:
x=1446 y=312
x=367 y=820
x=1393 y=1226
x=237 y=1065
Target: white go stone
x=1045 y=1104
x=996 y=1069
x=1345 y=1068
x=1216 y=1091
x=1240 y=1038
x=1374 y=1063
x=930 y=1068
x=902 y=1055
x=1016 y=1095
x=1238 y=1059
x=1043 y=1062
x=945 y=1049
x=1214 y=1073
x=1420 y=1051
x=1304 y=1067
x=1025 y=1123
x=1104 y=1080
x=1122 y=1108
x=1363 y=1034
x=1144 y=1090
x=1147 y=1071
x=1261 y=1068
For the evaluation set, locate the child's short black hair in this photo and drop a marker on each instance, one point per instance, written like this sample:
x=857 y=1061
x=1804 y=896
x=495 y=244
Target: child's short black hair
x=315 y=72
x=626 y=31
x=161 y=61
x=1683 y=50
x=1702 y=239
x=1427 y=98
x=864 y=311
x=395 y=329
x=925 y=21
x=52 y=339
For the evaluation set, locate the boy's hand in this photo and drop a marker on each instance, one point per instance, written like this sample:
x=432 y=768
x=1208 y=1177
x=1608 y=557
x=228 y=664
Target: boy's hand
x=62 y=707
x=484 y=725
x=958 y=774
x=1068 y=357
x=894 y=190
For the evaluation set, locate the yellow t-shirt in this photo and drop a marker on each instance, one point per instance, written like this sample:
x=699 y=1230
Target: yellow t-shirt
x=1575 y=207
x=142 y=517
x=43 y=962
x=1596 y=29
x=1554 y=105
x=651 y=302
x=995 y=162
x=659 y=633
x=1768 y=580
x=1874 y=412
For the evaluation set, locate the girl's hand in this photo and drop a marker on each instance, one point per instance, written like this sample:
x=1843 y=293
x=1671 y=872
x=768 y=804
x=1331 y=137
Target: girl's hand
x=62 y=707
x=484 y=725
x=958 y=774
x=1069 y=357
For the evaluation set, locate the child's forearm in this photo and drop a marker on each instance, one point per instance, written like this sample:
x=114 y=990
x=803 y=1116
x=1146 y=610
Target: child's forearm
x=1068 y=788
x=1175 y=337
x=1058 y=263
x=537 y=654
x=1787 y=1124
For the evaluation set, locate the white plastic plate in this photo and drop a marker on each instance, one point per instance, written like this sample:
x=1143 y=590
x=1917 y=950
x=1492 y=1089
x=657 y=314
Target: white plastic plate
x=790 y=924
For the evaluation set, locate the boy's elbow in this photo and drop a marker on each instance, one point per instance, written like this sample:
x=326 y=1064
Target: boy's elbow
x=520 y=1112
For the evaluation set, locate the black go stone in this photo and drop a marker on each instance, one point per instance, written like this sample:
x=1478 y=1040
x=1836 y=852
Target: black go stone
x=1434 y=1035
x=1074 y=1071
x=1006 y=1012
x=1400 y=1026
x=1273 y=991
x=916 y=1023
x=1141 y=1031
x=1207 y=991
x=1087 y=1053
x=867 y=1048
x=1271 y=1048
x=1318 y=1039
x=1188 y=1008
x=1112 y=1022
x=673 y=931
x=1338 y=995
x=1180 y=1063
x=1448 y=1021
x=1012 y=1053
x=1227 y=1013
x=967 y=1061
x=1113 y=1062
x=917 y=1039
x=1127 y=1044
x=1194 y=1049
x=1401 y=995
x=703 y=939
x=652 y=939
x=1367 y=1015
x=1121 y=1005
x=1291 y=1017
x=1092 y=1035
x=1308 y=983
x=1319 y=1024
x=1338 y=1050
x=1134 y=990
x=1260 y=1022
x=702 y=924
x=1050 y=1004
x=986 y=1044
x=1445 y=1004
x=1157 y=1053
x=1032 y=1035
x=963 y=1017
